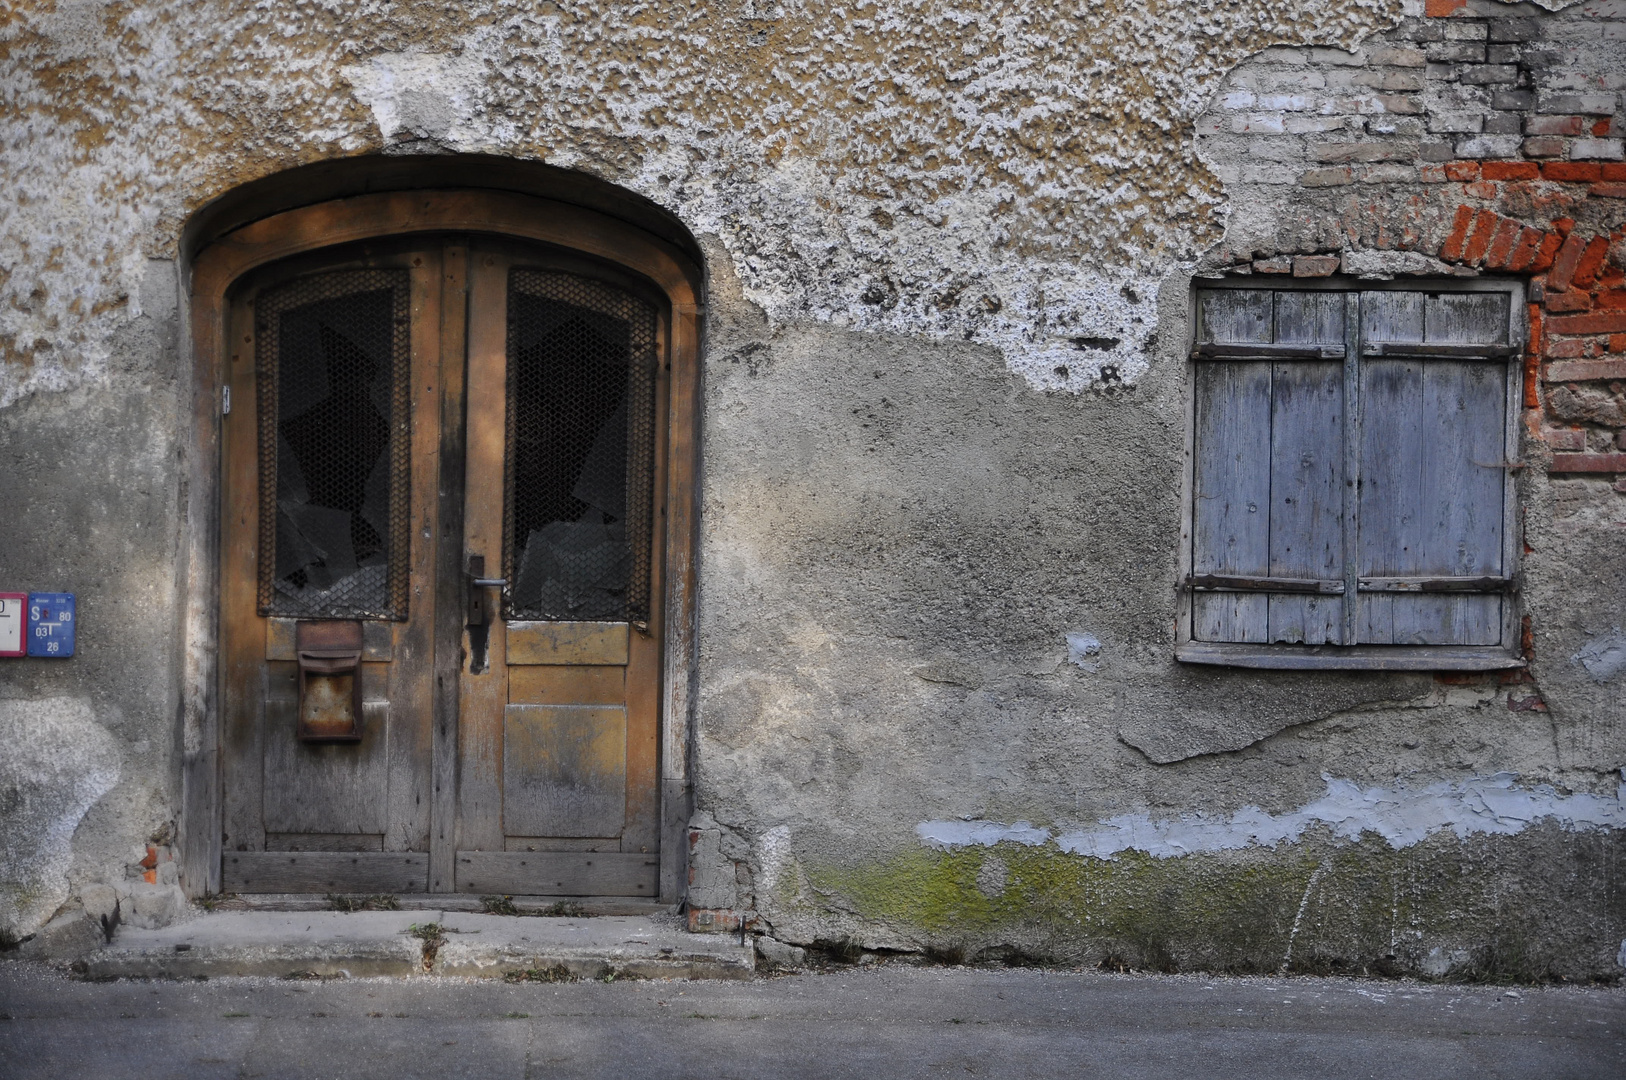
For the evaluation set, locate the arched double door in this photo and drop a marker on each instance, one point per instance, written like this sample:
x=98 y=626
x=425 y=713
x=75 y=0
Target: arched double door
x=447 y=470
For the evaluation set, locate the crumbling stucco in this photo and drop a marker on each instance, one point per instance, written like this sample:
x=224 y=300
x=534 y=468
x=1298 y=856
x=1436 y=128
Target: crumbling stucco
x=1020 y=174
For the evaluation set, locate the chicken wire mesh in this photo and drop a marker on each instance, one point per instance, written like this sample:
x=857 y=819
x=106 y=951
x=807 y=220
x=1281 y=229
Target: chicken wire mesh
x=581 y=442
x=332 y=358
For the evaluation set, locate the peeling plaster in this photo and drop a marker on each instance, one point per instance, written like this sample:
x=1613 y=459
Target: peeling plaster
x=1020 y=174
x=1402 y=815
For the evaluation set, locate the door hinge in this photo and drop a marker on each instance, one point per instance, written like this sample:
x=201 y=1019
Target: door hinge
x=225 y=401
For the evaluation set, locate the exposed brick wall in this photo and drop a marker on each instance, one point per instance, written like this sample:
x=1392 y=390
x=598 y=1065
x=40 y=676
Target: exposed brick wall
x=1480 y=138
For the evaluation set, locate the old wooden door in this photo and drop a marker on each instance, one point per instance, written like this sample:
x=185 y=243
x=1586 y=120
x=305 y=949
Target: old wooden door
x=441 y=572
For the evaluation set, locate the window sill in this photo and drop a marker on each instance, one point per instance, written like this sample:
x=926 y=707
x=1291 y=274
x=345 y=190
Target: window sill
x=1353 y=658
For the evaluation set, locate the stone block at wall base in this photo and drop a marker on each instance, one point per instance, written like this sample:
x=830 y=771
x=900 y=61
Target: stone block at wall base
x=776 y=954
x=68 y=936
x=152 y=906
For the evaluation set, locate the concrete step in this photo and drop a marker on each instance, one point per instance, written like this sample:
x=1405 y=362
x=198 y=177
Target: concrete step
x=319 y=944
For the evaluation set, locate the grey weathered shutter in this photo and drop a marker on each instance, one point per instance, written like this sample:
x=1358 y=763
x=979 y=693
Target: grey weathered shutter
x=1431 y=468
x=1268 y=550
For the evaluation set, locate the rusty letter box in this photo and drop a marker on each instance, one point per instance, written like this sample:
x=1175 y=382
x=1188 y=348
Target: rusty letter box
x=329 y=656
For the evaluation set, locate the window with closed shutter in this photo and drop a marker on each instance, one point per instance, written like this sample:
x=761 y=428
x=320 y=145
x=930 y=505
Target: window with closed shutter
x=1351 y=501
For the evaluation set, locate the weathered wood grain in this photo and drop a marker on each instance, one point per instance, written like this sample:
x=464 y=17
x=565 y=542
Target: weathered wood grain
x=325 y=872
x=326 y=787
x=292 y=841
x=377 y=638
x=557 y=873
x=549 y=684
x=582 y=643
x=1236 y=315
x=1231 y=497
x=564 y=770
x=1307 y=484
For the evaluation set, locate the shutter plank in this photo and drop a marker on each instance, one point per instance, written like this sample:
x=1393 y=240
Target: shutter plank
x=1306 y=492
x=1231 y=512
x=1466 y=318
x=1310 y=318
x=1237 y=315
x=1390 y=488
x=1392 y=316
x=1461 y=508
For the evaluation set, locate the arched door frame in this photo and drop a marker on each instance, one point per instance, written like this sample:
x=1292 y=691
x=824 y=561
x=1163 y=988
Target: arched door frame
x=402 y=213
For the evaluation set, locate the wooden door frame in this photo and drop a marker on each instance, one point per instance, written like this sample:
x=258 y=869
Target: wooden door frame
x=398 y=214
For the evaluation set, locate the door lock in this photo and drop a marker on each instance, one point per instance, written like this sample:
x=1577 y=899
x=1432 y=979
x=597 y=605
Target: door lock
x=482 y=605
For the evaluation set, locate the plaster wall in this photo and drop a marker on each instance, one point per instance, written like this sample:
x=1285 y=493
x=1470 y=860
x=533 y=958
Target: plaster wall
x=949 y=253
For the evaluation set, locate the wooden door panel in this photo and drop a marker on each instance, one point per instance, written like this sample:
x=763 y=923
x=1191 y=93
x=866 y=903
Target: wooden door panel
x=564 y=770
x=325 y=787
x=557 y=873
x=566 y=685
x=567 y=643
x=325 y=872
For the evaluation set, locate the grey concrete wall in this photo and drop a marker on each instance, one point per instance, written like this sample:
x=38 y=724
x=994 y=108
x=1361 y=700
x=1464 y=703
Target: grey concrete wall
x=91 y=495
x=950 y=257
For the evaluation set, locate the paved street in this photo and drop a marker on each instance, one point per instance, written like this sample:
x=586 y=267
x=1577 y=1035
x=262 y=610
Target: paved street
x=887 y=1021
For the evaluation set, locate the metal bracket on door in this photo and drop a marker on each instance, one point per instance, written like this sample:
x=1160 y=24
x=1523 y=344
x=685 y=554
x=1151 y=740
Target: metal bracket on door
x=482 y=610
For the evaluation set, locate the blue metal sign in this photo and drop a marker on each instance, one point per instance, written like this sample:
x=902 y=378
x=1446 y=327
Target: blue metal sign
x=50 y=624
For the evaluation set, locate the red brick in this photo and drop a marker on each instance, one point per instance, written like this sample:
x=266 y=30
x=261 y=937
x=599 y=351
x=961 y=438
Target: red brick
x=1565 y=350
x=1609 y=189
x=1481 y=189
x=1525 y=250
x=1565 y=438
x=1597 y=322
x=1501 y=245
x=1572 y=300
x=1544 y=254
x=1563 y=225
x=1617 y=343
x=1451 y=250
x=1531 y=396
x=1581 y=172
x=1589 y=463
x=1613 y=170
x=1462 y=171
x=1315 y=265
x=1586 y=371
x=1441 y=9
x=1586 y=271
x=1431 y=174
x=1510 y=170
x=1485 y=223
x=1612 y=300
x=1564 y=265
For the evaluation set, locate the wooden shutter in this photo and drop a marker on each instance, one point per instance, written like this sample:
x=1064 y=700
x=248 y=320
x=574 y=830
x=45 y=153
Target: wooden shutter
x=1269 y=486
x=1380 y=523
x=1431 y=463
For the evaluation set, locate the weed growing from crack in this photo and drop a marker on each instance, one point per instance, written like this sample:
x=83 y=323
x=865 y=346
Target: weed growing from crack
x=553 y=973
x=376 y=902
x=498 y=905
x=432 y=937
x=565 y=909
x=210 y=901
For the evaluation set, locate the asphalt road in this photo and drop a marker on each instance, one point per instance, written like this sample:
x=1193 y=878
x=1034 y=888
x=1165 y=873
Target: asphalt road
x=881 y=1022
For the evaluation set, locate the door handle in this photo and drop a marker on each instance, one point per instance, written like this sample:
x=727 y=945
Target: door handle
x=482 y=607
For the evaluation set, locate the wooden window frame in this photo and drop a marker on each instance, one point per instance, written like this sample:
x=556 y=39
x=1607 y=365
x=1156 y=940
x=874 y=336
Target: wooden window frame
x=1287 y=656
x=214 y=275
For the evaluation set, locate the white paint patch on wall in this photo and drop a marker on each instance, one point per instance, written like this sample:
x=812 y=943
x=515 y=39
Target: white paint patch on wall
x=1402 y=815
x=58 y=762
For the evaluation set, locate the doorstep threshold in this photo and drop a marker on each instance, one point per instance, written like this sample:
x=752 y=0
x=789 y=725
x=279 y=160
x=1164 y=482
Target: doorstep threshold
x=420 y=942
x=525 y=905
